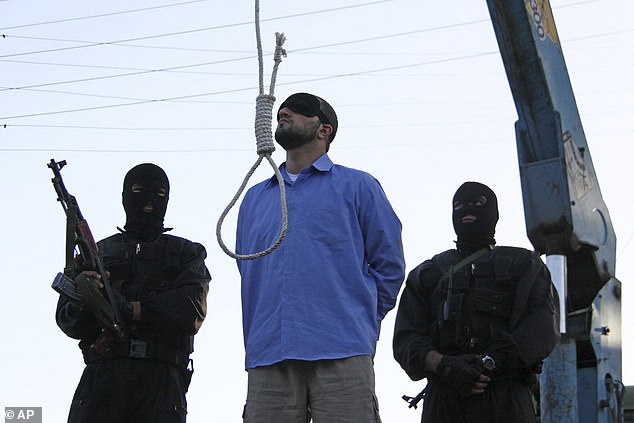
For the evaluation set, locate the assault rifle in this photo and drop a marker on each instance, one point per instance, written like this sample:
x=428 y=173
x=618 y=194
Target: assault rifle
x=78 y=235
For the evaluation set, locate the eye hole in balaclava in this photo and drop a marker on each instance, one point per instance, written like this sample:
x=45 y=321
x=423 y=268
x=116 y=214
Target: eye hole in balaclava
x=475 y=214
x=145 y=197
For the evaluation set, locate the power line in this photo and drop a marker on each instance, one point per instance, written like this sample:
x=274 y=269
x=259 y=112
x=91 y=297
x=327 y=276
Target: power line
x=140 y=72
x=605 y=34
x=171 y=34
x=319 y=78
x=123 y=42
x=180 y=98
x=563 y=6
x=123 y=68
x=204 y=129
x=103 y=15
x=123 y=98
x=119 y=128
x=136 y=103
x=398 y=34
x=83 y=150
x=75 y=93
x=300 y=50
x=112 y=43
x=164 y=6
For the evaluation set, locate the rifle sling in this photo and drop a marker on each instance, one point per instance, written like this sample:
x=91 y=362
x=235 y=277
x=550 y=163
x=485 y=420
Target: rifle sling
x=462 y=263
x=453 y=302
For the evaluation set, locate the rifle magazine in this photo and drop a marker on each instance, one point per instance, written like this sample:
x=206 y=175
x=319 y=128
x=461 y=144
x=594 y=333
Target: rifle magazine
x=64 y=285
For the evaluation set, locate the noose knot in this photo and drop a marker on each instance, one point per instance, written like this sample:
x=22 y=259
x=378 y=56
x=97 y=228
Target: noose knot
x=263 y=128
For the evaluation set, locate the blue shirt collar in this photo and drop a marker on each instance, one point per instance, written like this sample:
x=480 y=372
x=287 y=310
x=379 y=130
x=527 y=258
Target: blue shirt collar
x=322 y=164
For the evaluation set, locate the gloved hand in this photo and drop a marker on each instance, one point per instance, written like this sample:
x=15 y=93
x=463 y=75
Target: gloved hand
x=91 y=298
x=463 y=373
x=89 y=286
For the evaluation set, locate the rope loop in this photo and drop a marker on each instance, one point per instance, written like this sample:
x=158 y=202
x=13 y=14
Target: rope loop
x=264 y=142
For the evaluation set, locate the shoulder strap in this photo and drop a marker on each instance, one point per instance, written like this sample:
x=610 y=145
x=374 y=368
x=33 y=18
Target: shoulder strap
x=453 y=302
x=461 y=264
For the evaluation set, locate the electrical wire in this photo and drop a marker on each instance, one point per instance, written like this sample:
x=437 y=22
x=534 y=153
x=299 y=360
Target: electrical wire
x=302 y=50
x=103 y=15
x=140 y=72
x=324 y=78
x=134 y=101
x=178 y=33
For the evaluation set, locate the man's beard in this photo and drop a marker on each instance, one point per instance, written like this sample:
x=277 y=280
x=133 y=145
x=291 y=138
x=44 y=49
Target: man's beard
x=291 y=137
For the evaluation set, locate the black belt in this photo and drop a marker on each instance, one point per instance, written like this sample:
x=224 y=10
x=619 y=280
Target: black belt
x=140 y=349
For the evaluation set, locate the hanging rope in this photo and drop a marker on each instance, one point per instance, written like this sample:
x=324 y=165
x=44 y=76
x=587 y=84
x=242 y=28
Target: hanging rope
x=264 y=140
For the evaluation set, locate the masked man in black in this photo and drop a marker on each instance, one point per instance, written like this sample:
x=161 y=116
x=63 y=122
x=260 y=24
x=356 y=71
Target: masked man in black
x=160 y=284
x=477 y=321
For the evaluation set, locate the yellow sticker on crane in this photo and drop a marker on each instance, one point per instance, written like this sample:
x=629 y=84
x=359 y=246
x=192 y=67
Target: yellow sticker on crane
x=541 y=15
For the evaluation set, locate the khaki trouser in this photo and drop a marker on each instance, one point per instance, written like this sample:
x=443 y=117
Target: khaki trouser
x=326 y=391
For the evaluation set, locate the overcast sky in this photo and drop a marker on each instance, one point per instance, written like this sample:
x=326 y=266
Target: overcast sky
x=423 y=105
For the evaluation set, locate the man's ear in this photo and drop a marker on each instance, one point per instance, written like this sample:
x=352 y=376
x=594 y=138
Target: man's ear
x=326 y=130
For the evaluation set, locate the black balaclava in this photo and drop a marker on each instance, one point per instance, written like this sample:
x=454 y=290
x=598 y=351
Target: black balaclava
x=142 y=225
x=477 y=200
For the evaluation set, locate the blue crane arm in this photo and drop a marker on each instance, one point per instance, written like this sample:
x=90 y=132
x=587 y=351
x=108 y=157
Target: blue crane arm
x=564 y=210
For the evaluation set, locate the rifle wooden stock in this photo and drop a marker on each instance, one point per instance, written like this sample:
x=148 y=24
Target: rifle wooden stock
x=87 y=246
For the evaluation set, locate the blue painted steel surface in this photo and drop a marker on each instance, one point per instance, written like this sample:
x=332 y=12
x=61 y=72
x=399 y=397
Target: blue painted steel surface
x=564 y=211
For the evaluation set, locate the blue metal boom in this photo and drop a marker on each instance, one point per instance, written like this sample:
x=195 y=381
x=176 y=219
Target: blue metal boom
x=565 y=216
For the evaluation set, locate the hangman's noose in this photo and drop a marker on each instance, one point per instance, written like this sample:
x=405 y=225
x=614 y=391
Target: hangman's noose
x=264 y=140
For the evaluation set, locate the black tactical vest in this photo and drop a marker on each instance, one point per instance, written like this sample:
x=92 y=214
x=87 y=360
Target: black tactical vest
x=477 y=300
x=141 y=269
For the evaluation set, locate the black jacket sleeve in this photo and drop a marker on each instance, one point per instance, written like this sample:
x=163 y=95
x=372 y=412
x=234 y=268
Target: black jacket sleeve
x=75 y=321
x=181 y=309
x=412 y=338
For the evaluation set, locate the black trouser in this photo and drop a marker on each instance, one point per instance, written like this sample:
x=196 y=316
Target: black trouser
x=503 y=401
x=129 y=390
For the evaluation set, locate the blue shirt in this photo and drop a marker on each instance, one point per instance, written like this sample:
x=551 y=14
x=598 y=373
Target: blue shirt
x=323 y=292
